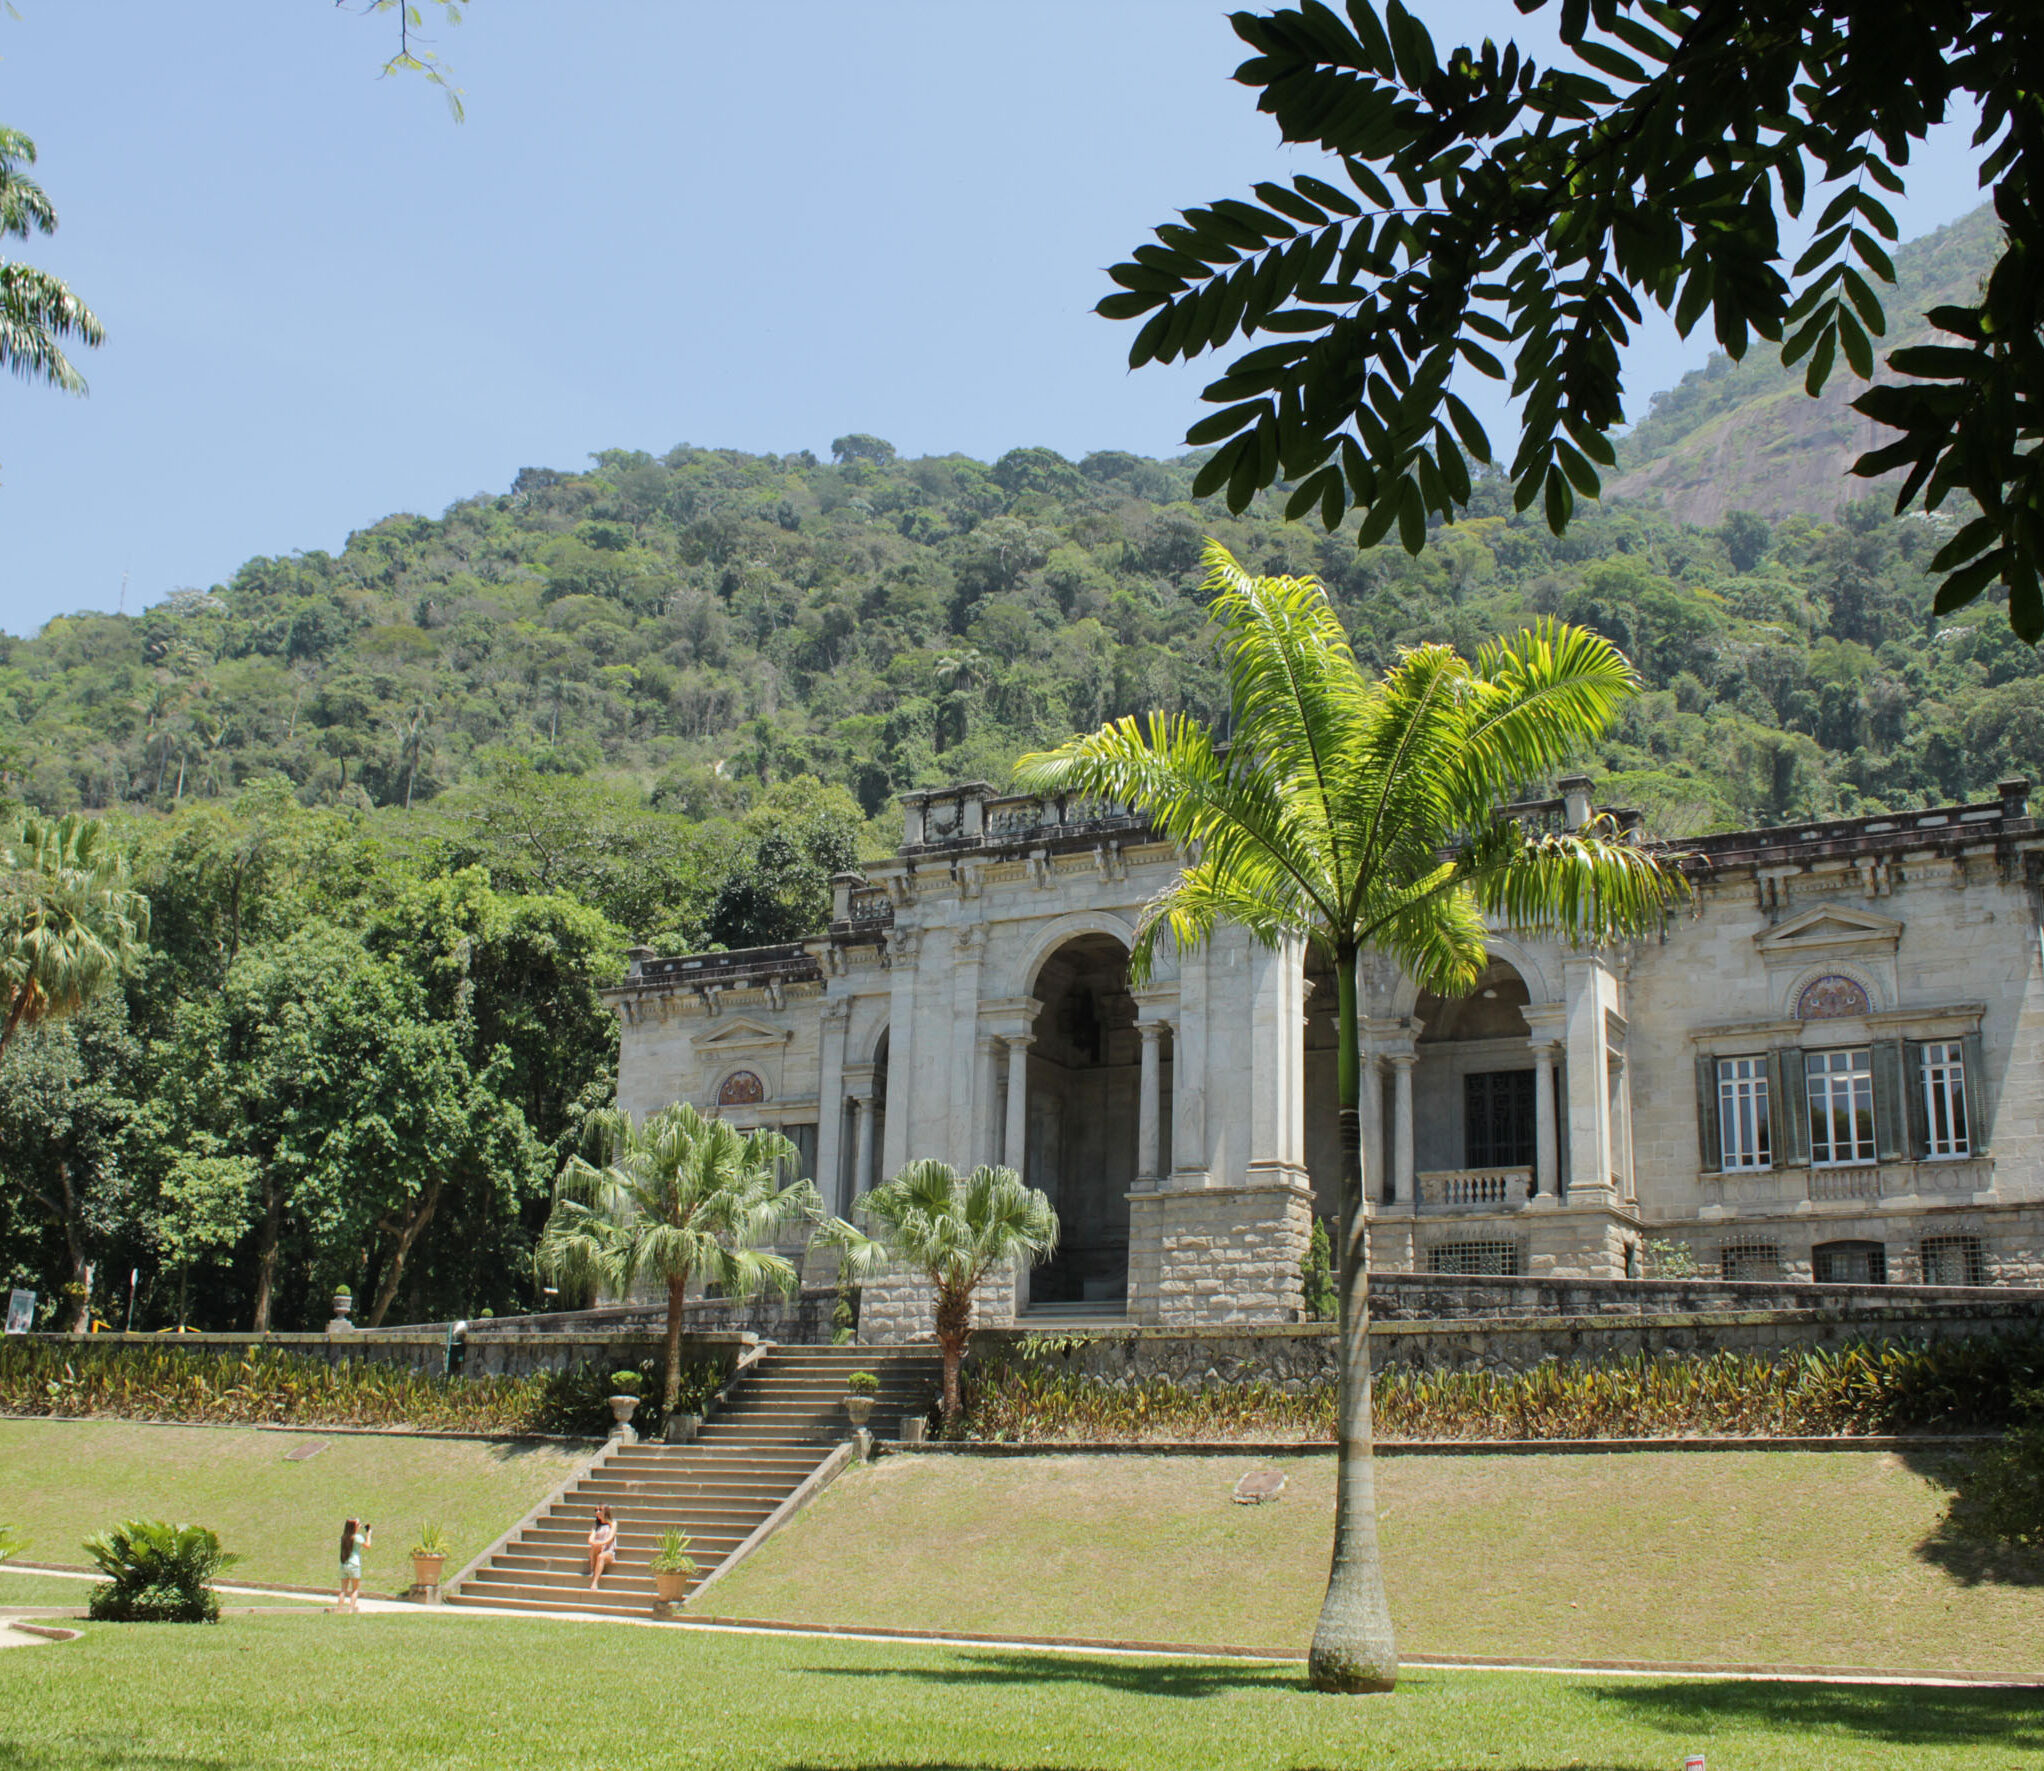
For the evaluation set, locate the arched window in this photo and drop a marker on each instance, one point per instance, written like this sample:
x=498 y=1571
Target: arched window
x=741 y=1089
x=1831 y=998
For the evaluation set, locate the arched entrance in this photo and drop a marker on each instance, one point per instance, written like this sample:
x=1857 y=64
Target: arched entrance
x=1084 y=1095
x=1475 y=1094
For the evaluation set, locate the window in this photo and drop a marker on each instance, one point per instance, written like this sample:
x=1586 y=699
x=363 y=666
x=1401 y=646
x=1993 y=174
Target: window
x=1494 y=1259
x=1497 y=1118
x=1849 y=1263
x=1841 y=1106
x=1944 y=1099
x=1743 y=1130
x=1953 y=1260
x=741 y=1089
x=803 y=1168
x=1749 y=1260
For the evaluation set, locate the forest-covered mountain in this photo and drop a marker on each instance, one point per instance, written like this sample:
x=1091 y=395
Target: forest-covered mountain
x=1747 y=436
x=673 y=635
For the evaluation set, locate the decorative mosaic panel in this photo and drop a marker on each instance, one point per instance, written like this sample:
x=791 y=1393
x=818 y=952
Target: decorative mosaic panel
x=1829 y=999
x=741 y=1089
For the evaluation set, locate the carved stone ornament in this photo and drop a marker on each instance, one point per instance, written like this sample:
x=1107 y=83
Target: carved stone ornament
x=742 y=1088
x=1831 y=998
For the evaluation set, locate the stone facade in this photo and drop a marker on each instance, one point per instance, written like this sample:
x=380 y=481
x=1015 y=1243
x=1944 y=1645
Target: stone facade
x=1825 y=1067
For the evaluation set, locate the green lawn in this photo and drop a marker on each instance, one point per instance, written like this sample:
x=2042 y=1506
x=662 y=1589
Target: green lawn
x=61 y=1481
x=23 y=1587
x=389 y=1693
x=1721 y=1557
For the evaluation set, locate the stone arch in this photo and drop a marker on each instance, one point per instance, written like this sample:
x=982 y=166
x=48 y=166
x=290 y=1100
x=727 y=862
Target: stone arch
x=1540 y=989
x=1059 y=933
x=1791 y=1000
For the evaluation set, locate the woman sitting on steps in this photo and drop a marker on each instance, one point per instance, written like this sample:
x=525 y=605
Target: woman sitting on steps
x=602 y=1546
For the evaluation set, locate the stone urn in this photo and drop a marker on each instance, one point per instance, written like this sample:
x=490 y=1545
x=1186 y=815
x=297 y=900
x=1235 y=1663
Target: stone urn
x=860 y=1408
x=912 y=1428
x=621 y=1410
x=343 y=1307
x=684 y=1429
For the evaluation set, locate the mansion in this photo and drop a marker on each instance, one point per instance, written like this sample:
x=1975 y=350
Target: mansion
x=1825 y=1067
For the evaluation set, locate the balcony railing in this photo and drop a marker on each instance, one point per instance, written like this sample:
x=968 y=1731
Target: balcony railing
x=1474 y=1189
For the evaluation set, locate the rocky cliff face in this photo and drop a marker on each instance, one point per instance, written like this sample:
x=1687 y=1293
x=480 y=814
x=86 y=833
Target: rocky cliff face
x=1746 y=437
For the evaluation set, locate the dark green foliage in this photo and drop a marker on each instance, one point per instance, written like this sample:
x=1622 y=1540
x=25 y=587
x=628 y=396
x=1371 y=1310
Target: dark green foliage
x=157 y=1573
x=1316 y=1275
x=2001 y=1501
x=1481 y=213
x=267 y=1385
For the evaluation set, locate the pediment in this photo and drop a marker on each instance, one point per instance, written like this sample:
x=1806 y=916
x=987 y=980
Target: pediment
x=1830 y=928
x=741 y=1034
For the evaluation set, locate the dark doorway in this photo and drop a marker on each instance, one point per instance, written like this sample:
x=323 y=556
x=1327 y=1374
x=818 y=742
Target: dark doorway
x=1497 y=1119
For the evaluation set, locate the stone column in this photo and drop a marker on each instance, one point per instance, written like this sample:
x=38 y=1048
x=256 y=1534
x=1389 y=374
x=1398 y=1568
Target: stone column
x=1370 y=1120
x=1013 y=1147
x=830 y=1104
x=862 y=1146
x=1546 y=1143
x=1402 y=1182
x=1150 y=1107
x=987 y=1103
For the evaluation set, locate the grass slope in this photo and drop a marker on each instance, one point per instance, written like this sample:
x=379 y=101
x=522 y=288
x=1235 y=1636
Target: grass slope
x=65 y=1480
x=1729 y=1557
x=454 y=1692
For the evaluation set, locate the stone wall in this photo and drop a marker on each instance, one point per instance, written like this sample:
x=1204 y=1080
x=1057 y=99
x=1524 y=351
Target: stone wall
x=1406 y=1297
x=899 y=1305
x=1500 y=1343
x=1216 y=1254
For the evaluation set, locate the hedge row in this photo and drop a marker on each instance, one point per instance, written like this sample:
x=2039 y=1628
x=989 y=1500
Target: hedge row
x=1037 y=1393
x=272 y=1386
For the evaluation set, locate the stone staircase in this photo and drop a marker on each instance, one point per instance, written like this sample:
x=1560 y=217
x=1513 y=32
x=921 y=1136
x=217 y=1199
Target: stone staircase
x=779 y=1425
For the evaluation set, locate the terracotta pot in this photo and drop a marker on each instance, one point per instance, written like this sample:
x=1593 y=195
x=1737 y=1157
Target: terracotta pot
x=859 y=1408
x=426 y=1570
x=669 y=1589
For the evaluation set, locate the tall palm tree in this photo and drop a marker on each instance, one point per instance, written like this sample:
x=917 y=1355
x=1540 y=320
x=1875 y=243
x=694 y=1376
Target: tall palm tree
x=1358 y=814
x=38 y=312
x=70 y=921
x=954 y=1229
x=676 y=1198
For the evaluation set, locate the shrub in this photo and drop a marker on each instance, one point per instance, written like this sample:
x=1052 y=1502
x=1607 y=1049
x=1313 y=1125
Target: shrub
x=1884 y=1387
x=672 y=1556
x=1316 y=1275
x=627 y=1382
x=157 y=1573
x=270 y=1385
x=862 y=1383
x=432 y=1541
x=2001 y=1500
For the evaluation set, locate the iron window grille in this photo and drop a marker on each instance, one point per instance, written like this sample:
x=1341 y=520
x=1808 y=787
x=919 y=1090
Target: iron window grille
x=1849 y=1263
x=1750 y=1260
x=1953 y=1260
x=1489 y=1259
x=1841 y=1087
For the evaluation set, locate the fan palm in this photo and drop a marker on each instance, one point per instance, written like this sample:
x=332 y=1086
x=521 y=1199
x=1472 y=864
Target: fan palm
x=70 y=921
x=1358 y=814
x=677 y=1198
x=954 y=1229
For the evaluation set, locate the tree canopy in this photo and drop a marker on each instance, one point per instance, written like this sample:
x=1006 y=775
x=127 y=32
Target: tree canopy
x=1484 y=213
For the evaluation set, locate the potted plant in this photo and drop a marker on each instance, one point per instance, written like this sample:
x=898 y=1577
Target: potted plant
x=625 y=1387
x=673 y=1567
x=860 y=1389
x=429 y=1556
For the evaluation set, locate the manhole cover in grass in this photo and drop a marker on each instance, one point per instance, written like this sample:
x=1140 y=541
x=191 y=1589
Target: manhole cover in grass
x=299 y=1453
x=1259 y=1486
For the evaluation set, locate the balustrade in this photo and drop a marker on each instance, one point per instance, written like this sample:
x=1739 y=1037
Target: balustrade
x=1474 y=1189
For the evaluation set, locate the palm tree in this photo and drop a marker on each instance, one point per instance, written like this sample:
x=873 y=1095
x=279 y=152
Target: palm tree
x=38 y=312
x=955 y=1230
x=1358 y=814
x=70 y=922
x=679 y=1197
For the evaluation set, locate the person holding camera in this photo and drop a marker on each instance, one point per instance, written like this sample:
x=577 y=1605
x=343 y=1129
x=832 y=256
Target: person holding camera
x=354 y=1540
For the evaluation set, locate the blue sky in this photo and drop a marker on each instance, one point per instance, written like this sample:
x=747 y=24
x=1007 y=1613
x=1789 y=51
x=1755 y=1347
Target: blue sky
x=754 y=226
